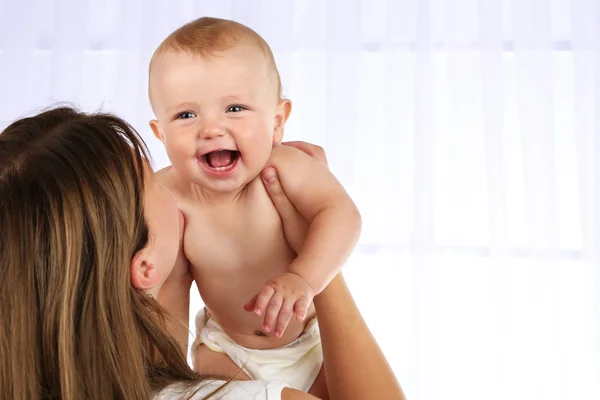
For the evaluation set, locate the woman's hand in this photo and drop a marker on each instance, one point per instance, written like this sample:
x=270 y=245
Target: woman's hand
x=290 y=216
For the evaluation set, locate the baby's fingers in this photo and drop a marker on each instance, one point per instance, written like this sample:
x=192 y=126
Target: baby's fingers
x=262 y=299
x=272 y=312
x=301 y=308
x=285 y=314
x=251 y=305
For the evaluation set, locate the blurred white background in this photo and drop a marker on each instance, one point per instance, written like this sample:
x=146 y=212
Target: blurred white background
x=467 y=131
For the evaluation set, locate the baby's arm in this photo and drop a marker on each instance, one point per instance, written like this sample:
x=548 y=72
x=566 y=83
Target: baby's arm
x=295 y=226
x=335 y=222
x=174 y=296
x=335 y=225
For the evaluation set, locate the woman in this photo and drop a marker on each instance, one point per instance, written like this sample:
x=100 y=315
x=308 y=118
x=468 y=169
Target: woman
x=87 y=244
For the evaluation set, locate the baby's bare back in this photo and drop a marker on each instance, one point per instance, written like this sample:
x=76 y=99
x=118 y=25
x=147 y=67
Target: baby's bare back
x=234 y=247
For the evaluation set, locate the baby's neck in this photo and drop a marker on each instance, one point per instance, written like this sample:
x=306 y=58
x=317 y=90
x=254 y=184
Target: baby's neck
x=209 y=197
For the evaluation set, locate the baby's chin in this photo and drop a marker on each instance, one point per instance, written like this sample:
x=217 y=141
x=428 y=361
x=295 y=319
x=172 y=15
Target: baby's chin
x=224 y=188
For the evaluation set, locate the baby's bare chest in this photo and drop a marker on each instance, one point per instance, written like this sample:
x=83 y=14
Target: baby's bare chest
x=244 y=237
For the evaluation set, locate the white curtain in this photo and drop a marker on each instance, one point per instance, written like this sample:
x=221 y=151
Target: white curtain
x=467 y=131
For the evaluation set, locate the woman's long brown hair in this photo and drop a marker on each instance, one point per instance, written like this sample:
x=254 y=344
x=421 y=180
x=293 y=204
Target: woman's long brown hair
x=71 y=218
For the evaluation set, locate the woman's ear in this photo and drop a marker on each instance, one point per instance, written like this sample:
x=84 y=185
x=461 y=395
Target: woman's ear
x=155 y=126
x=144 y=275
x=284 y=109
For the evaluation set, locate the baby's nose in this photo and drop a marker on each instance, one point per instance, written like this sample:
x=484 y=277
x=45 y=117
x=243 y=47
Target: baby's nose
x=211 y=129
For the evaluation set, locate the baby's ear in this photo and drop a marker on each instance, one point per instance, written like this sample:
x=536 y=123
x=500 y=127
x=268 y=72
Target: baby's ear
x=155 y=126
x=284 y=109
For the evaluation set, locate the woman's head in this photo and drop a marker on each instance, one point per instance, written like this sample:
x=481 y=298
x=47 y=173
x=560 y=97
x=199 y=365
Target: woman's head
x=87 y=236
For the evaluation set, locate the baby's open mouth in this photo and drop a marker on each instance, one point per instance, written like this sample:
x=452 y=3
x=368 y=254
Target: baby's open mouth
x=220 y=160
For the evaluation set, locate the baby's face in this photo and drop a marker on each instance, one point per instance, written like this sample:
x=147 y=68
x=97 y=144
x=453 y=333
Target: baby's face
x=218 y=117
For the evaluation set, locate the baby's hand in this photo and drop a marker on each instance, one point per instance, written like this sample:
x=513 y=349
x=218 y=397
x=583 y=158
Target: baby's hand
x=281 y=297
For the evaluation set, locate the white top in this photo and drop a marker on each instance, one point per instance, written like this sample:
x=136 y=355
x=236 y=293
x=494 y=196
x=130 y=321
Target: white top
x=234 y=390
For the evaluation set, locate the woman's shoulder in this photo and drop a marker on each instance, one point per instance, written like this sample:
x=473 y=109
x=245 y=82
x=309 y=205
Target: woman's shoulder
x=234 y=390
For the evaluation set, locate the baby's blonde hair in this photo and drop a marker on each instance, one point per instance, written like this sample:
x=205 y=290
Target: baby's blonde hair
x=206 y=36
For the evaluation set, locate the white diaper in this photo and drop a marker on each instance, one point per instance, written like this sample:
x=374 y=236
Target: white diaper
x=296 y=364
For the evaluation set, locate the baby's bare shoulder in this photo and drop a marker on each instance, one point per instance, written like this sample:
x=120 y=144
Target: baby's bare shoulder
x=289 y=160
x=165 y=175
x=170 y=180
x=281 y=151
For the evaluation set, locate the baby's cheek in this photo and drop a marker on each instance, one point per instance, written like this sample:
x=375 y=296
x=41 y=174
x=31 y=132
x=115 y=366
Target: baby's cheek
x=179 y=144
x=179 y=150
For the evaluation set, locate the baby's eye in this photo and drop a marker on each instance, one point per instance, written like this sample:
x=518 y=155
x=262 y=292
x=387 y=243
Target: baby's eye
x=235 y=109
x=186 y=115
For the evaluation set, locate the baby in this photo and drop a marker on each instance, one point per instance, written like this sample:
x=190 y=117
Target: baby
x=216 y=94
